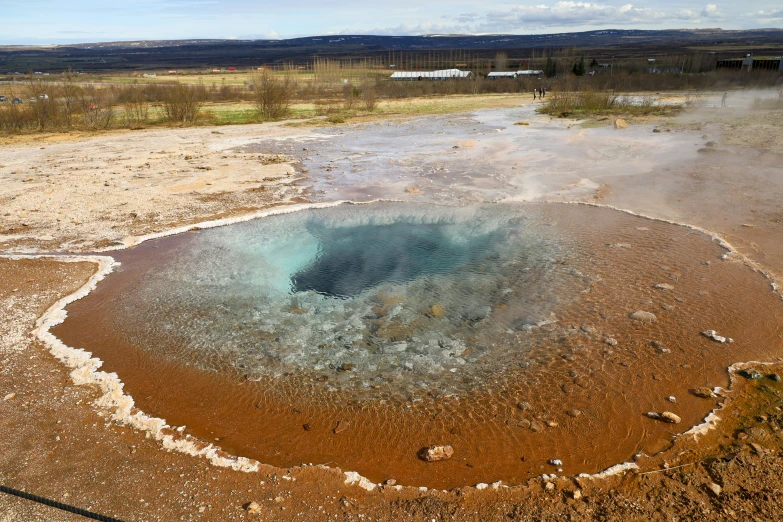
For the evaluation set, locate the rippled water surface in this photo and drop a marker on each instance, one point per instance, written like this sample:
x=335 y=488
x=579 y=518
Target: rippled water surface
x=388 y=294
x=356 y=335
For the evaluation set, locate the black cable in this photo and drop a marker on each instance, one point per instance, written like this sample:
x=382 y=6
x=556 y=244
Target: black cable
x=58 y=505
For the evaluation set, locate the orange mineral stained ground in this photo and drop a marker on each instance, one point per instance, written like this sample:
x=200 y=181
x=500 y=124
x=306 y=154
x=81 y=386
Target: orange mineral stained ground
x=571 y=396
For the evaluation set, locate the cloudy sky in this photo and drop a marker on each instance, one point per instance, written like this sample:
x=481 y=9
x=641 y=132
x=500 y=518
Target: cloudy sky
x=65 y=21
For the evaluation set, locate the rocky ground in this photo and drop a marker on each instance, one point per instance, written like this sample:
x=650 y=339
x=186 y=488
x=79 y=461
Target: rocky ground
x=93 y=192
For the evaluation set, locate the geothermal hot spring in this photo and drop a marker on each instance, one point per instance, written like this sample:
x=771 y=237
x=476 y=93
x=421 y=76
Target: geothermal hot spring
x=355 y=335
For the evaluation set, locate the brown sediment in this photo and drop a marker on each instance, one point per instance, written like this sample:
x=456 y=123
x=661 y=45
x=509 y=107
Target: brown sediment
x=612 y=386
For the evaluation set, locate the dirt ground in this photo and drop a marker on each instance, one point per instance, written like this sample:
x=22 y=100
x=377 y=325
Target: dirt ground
x=79 y=195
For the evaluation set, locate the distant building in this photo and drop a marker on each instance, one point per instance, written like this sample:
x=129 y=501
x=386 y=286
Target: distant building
x=761 y=63
x=502 y=74
x=445 y=74
x=530 y=72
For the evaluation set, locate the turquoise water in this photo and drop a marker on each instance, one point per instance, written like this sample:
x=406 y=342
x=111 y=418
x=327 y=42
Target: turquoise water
x=391 y=292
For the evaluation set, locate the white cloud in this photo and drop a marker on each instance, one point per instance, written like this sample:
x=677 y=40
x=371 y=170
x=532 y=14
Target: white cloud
x=573 y=13
x=563 y=15
x=711 y=11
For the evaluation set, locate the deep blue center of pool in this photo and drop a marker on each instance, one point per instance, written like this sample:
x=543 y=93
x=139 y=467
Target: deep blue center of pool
x=352 y=260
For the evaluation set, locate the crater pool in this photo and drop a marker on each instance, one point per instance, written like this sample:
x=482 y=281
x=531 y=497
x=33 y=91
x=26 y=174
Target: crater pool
x=355 y=335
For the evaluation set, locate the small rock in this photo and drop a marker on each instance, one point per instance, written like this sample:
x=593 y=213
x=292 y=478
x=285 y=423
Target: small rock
x=437 y=311
x=716 y=489
x=307 y=427
x=750 y=374
x=773 y=377
x=345 y=367
x=660 y=347
x=524 y=406
x=524 y=423
x=340 y=427
x=253 y=508
x=586 y=328
x=665 y=416
x=611 y=341
x=671 y=399
x=663 y=286
x=412 y=190
x=577 y=494
x=436 y=453
x=758 y=449
x=620 y=123
x=704 y=393
x=9 y=397
x=549 y=486
x=712 y=334
x=551 y=424
x=574 y=413
x=555 y=462
x=389 y=482
x=644 y=317
x=536 y=426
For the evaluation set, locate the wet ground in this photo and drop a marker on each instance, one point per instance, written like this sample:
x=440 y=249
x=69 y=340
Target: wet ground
x=557 y=368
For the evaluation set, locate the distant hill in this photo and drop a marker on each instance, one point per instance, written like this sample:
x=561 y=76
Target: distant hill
x=242 y=53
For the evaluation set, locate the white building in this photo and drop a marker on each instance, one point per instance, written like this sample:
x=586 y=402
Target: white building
x=445 y=74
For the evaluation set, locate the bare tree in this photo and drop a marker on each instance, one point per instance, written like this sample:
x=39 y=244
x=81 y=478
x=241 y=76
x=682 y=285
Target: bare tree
x=97 y=107
x=369 y=96
x=501 y=61
x=69 y=95
x=182 y=103
x=134 y=105
x=272 y=94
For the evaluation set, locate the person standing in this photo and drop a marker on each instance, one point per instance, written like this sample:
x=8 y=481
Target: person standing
x=543 y=92
x=723 y=100
x=535 y=91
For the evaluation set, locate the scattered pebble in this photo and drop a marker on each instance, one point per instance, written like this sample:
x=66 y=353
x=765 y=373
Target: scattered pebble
x=715 y=488
x=555 y=462
x=665 y=416
x=712 y=334
x=9 y=397
x=671 y=399
x=704 y=393
x=436 y=453
x=773 y=377
x=664 y=286
x=750 y=374
x=644 y=317
x=611 y=341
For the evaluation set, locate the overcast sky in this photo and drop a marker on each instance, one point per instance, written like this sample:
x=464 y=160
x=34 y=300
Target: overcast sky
x=66 y=21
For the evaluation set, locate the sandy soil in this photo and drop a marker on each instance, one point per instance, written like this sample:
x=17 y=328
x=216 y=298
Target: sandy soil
x=97 y=192
x=78 y=195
